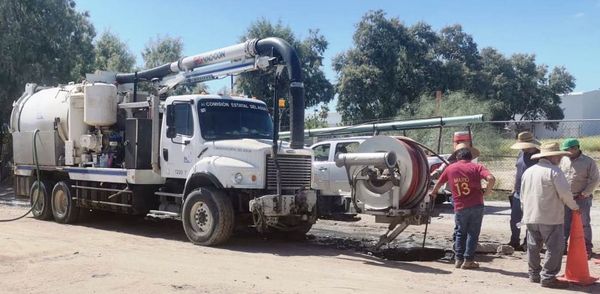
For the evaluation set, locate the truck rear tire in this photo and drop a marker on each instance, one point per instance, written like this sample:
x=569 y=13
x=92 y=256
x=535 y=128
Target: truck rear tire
x=64 y=208
x=42 y=209
x=208 y=217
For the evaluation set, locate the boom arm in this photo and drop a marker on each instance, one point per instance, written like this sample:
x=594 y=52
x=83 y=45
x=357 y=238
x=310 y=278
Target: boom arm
x=244 y=57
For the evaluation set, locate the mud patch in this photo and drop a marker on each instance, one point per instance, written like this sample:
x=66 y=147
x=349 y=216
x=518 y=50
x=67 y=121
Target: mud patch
x=391 y=252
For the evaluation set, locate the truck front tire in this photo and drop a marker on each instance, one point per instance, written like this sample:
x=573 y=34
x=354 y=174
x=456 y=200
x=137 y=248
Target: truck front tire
x=64 y=209
x=39 y=196
x=208 y=217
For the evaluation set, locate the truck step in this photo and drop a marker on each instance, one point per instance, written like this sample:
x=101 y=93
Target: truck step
x=168 y=194
x=163 y=214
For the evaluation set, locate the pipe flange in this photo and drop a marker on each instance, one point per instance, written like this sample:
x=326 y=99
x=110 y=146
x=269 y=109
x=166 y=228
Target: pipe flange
x=250 y=48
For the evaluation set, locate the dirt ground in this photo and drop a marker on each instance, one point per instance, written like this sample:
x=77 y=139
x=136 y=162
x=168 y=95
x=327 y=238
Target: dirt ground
x=116 y=254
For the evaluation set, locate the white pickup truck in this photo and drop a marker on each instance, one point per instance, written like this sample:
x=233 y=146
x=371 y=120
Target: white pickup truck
x=331 y=182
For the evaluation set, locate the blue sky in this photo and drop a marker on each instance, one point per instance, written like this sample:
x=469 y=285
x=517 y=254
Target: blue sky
x=557 y=32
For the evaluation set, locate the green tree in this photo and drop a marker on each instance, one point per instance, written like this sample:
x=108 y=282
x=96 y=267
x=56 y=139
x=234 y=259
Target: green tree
x=112 y=54
x=317 y=119
x=390 y=66
x=368 y=84
x=524 y=89
x=162 y=50
x=44 y=42
x=310 y=51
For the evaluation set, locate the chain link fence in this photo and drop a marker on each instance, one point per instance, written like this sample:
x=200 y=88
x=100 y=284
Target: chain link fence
x=494 y=139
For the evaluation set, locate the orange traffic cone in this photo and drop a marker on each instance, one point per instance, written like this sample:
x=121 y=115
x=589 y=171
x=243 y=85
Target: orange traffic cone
x=577 y=270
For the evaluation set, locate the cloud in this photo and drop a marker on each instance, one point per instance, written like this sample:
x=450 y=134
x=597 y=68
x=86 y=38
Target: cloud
x=579 y=15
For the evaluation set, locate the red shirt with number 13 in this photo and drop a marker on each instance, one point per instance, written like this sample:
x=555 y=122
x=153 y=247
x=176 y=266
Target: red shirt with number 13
x=464 y=178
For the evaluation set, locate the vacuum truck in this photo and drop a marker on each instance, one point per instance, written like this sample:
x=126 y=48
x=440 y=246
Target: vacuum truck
x=211 y=161
x=215 y=162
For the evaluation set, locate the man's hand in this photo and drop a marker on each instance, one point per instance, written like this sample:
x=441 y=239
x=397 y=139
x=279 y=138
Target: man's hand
x=579 y=196
x=432 y=196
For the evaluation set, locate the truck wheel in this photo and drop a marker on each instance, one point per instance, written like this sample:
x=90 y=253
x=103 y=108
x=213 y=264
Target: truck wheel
x=208 y=217
x=40 y=200
x=64 y=209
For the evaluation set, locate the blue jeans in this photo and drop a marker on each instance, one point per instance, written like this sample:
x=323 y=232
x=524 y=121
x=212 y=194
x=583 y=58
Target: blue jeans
x=585 y=206
x=468 y=225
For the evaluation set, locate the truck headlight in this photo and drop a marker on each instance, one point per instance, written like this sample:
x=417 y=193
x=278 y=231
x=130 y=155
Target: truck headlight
x=238 y=178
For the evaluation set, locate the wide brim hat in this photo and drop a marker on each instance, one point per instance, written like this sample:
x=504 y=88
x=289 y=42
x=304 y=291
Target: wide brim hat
x=549 y=149
x=474 y=151
x=526 y=140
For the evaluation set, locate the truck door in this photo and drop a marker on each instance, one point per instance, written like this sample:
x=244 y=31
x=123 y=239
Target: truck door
x=179 y=141
x=320 y=167
x=338 y=176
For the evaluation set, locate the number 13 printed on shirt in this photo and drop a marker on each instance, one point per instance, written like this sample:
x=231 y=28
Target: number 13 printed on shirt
x=462 y=189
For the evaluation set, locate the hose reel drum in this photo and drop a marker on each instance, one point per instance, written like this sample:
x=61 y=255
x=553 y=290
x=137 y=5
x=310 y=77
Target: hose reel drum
x=389 y=176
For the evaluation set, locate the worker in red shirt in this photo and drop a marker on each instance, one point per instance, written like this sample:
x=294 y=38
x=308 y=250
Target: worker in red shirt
x=465 y=177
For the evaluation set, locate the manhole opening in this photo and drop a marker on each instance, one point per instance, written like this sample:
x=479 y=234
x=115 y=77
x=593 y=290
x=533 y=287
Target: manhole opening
x=410 y=254
x=414 y=253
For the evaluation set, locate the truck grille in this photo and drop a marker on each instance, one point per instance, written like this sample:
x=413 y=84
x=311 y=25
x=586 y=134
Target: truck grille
x=295 y=172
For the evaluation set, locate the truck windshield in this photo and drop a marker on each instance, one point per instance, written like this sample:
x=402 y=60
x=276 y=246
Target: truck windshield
x=222 y=120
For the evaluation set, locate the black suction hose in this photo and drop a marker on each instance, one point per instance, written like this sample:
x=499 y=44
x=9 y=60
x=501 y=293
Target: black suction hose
x=37 y=172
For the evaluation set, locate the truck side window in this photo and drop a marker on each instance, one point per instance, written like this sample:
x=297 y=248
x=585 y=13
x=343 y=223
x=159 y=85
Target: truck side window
x=184 y=121
x=322 y=152
x=346 y=147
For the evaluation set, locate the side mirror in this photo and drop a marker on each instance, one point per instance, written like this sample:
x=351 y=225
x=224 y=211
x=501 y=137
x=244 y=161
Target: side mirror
x=171 y=132
x=170 y=116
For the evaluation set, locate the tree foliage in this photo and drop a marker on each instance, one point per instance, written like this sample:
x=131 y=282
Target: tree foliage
x=318 y=119
x=391 y=65
x=310 y=51
x=112 y=54
x=162 y=50
x=45 y=42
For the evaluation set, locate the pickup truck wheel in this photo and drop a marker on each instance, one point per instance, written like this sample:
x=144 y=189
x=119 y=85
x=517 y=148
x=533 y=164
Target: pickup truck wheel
x=208 y=217
x=39 y=197
x=64 y=208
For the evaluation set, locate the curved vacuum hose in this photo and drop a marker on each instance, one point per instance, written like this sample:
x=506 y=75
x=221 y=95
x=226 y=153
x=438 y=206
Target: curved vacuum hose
x=37 y=171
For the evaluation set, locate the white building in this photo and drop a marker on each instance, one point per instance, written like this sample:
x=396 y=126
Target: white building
x=577 y=107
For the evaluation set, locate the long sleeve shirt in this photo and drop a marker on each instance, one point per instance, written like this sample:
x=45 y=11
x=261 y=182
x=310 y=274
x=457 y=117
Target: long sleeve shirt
x=544 y=194
x=524 y=162
x=582 y=174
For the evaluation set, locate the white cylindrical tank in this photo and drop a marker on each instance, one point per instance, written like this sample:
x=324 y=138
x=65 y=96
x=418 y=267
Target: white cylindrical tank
x=100 y=104
x=40 y=110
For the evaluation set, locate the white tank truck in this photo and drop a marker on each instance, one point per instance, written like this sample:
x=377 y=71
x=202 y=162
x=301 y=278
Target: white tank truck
x=212 y=161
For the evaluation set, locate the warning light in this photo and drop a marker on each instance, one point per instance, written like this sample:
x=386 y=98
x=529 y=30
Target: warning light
x=281 y=103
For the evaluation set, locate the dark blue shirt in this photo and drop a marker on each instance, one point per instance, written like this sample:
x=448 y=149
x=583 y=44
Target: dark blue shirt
x=524 y=161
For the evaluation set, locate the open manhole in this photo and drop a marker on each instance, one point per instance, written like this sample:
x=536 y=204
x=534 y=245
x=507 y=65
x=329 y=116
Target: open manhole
x=410 y=253
x=397 y=253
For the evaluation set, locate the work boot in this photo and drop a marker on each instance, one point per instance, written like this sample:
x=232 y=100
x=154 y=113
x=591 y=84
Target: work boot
x=470 y=265
x=555 y=284
x=458 y=263
x=534 y=279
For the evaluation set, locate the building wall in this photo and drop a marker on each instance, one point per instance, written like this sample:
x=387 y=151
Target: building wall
x=576 y=106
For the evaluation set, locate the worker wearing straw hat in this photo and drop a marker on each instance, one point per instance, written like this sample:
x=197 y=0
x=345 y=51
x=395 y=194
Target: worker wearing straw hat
x=582 y=173
x=528 y=146
x=544 y=194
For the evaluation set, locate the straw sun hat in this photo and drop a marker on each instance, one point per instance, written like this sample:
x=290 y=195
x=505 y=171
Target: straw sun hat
x=474 y=151
x=549 y=149
x=526 y=140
